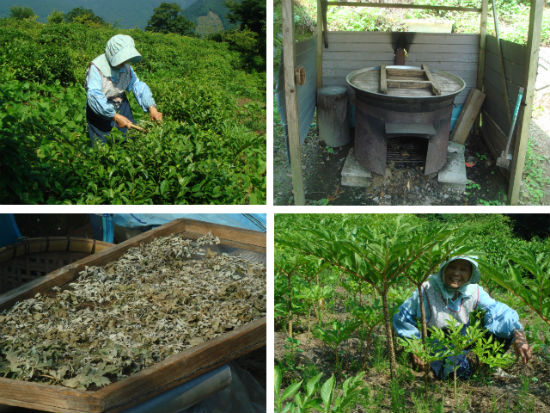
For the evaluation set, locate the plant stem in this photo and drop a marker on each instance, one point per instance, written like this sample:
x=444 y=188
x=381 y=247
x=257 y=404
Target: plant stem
x=422 y=313
x=393 y=364
x=424 y=334
x=454 y=374
x=289 y=305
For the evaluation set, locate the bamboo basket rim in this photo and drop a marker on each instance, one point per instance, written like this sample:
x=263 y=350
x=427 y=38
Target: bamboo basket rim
x=27 y=246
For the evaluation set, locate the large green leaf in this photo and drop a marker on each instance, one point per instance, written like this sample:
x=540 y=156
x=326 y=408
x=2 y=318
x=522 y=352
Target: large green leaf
x=291 y=390
x=327 y=391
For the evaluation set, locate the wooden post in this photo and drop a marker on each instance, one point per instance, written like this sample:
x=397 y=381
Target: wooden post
x=291 y=100
x=501 y=66
x=325 y=22
x=319 y=51
x=469 y=113
x=332 y=112
x=532 y=56
x=482 y=45
x=481 y=61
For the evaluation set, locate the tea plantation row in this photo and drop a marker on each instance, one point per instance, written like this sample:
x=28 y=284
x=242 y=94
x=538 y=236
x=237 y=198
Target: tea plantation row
x=210 y=149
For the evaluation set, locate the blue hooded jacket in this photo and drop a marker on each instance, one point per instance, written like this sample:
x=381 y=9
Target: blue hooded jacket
x=500 y=319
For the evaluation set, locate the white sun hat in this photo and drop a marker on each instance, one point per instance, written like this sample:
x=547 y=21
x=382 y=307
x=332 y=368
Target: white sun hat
x=120 y=48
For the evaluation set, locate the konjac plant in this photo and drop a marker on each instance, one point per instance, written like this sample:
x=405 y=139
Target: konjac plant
x=527 y=276
x=377 y=254
x=362 y=254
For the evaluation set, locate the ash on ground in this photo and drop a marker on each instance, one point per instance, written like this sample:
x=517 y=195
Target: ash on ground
x=401 y=184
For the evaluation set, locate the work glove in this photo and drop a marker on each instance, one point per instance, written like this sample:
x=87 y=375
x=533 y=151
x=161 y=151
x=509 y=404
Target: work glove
x=418 y=364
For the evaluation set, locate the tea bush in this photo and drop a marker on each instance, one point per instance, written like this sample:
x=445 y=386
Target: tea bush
x=210 y=148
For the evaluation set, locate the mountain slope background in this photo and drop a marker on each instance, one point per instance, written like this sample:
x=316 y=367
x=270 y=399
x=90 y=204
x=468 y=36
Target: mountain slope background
x=128 y=13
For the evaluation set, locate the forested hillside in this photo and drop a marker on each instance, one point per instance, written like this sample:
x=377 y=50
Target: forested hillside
x=123 y=13
x=204 y=7
x=209 y=149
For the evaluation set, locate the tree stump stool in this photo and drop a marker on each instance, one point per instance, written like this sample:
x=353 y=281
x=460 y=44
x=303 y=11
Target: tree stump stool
x=332 y=111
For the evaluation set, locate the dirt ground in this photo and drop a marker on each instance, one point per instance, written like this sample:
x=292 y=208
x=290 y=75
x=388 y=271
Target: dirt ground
x=523 y=389
x=401 y=185
x=405 y=184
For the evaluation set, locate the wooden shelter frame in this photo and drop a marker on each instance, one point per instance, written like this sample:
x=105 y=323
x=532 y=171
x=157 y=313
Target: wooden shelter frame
x=522 y=133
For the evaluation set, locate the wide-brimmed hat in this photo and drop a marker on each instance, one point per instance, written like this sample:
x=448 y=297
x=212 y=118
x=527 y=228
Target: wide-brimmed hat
x=120 y=48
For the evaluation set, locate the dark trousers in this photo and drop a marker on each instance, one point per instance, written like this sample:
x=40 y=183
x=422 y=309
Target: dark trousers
x=506 y=342
x=99 y=126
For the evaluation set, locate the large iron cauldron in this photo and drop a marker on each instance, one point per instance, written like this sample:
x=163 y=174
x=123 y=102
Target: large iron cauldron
x=401 y=111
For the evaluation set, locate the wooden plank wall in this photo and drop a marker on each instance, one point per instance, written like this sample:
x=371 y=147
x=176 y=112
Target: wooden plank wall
x=307 y=93
x=515 y=61
x=454 y=53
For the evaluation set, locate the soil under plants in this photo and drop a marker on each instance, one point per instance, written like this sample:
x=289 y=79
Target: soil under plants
x=402 y=184
x=521 y=388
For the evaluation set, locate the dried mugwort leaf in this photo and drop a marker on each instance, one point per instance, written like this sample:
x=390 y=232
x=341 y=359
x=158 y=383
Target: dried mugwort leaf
x=156 y=300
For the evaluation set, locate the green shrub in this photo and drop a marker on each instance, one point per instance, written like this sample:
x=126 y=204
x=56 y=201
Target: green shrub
x=246 y=42
x=22 y=13
x=84 y=16
x=56 y=17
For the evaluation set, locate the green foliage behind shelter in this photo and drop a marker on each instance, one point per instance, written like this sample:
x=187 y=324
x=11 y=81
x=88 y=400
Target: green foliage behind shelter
x=210 y=148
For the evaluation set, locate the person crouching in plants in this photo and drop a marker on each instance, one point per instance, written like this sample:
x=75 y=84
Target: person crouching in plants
x=108 y=78
x=454 y=293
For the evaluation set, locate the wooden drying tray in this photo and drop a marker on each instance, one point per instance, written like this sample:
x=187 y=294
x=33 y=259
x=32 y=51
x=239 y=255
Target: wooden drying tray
x=161 y=377
x=407 y=79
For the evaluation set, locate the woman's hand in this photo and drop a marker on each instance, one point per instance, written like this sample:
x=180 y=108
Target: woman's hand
x=417 y=362
x=521 y=347
x=155 y=114
x=122 y=121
